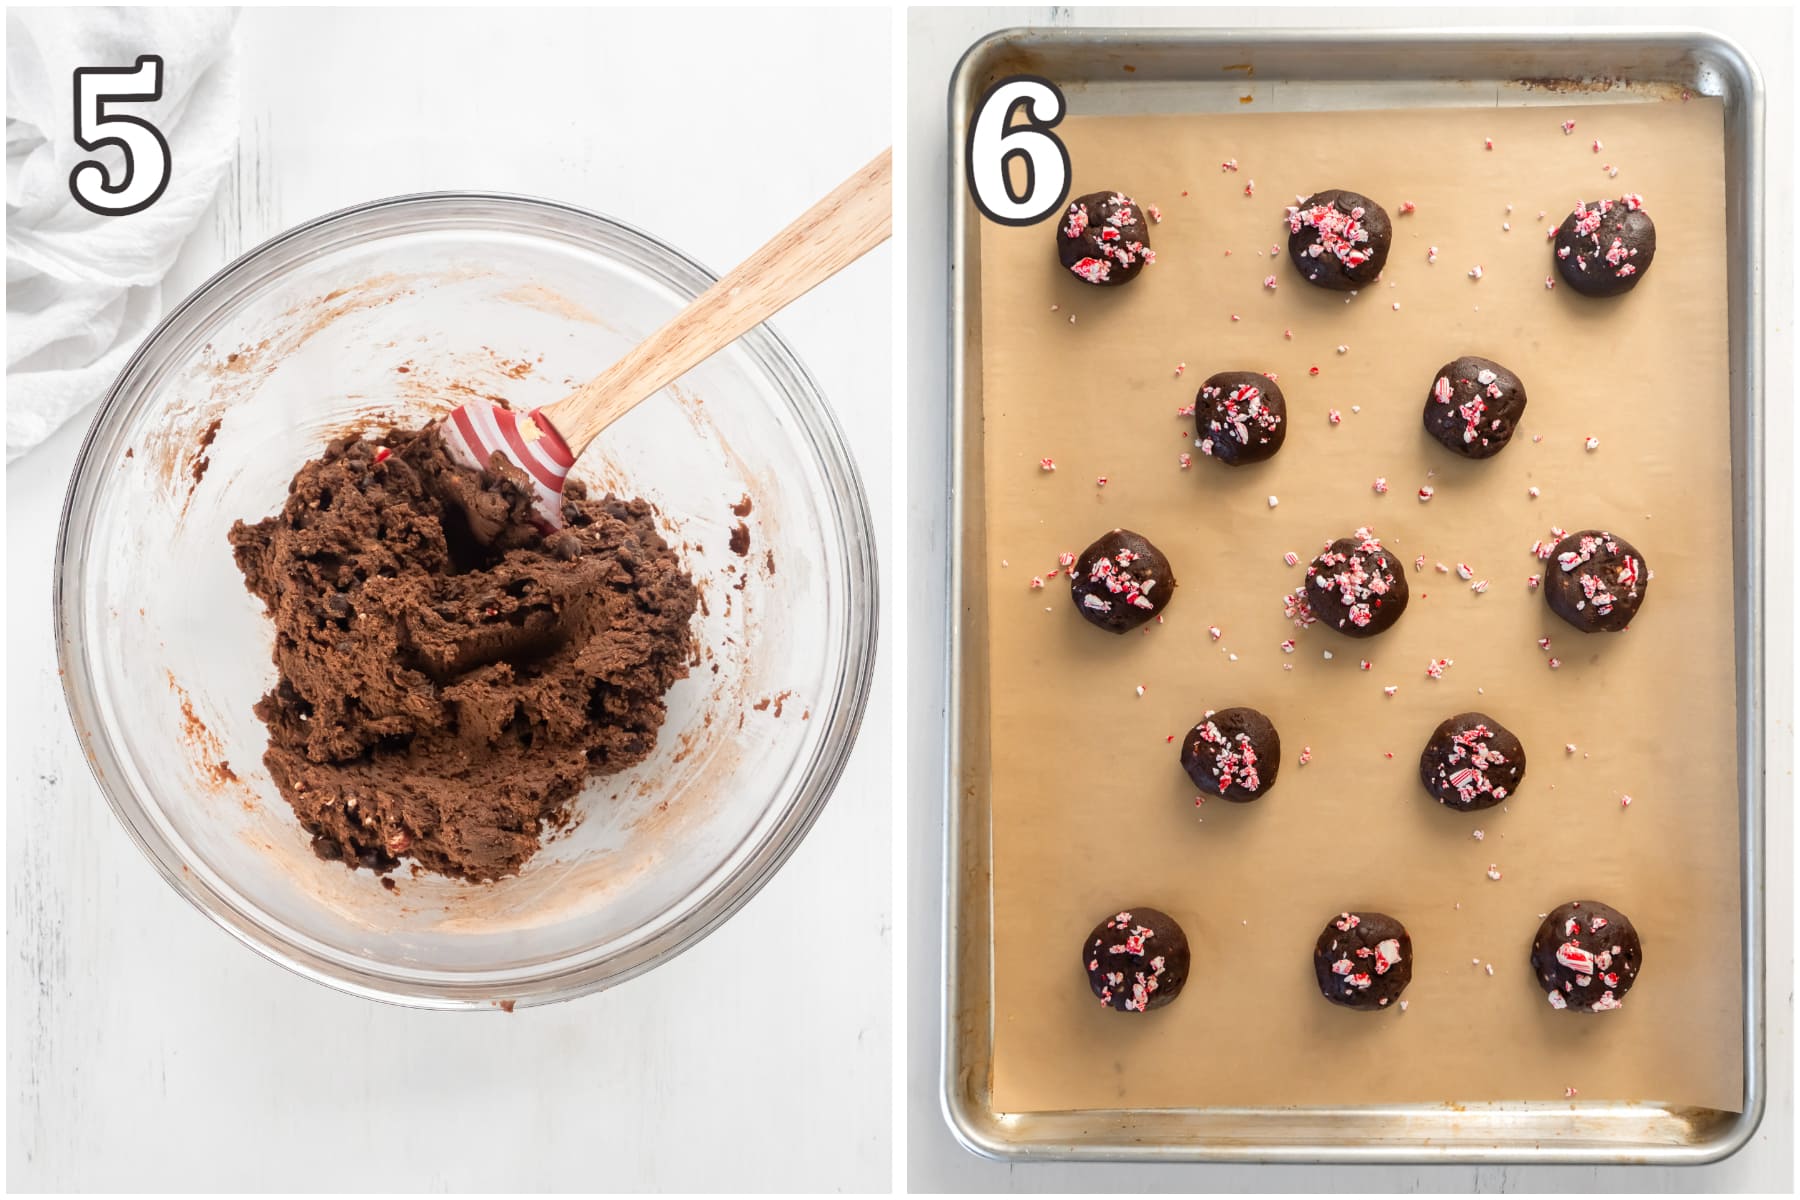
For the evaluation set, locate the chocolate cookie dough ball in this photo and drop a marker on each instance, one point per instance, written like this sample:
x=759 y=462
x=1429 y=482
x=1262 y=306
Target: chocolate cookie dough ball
x=1604 y=248
x=1356 y=586
x=1363 y=960
x=1474 y=406
x=1121 y=581
x=1586 y=956
x=1596 y=581
x=1136 y=960
x=1103 y=239
x=1338 y=239
x=1240 y=417
x=1233 y=753
x=1472 y=761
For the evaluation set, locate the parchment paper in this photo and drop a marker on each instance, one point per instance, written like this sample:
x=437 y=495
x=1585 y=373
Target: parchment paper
x=1091 y=811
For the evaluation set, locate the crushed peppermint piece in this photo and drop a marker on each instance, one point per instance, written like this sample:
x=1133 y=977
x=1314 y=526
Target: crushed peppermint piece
x=1436 y=667
x=1343 y=349
x=1490 y=968
x=1592 y=443
x=1250 y=188
x=1334 y=416
x=1597 y=146
x=1475 y=271
x=1532 y=492
x=1288 y=334
x=1407 y=207
x=1389 y=690
x=1291 y=559
x=1274 y=500
x=1478 y=835
x=1568 y=127
x=1186 y=460
x=1380 y=485
x=1287 y=645
x=1037 y=583
x=1464 y=571
x=1269 y=282
x=1312 y=370
x=1230 y=164
x=1140 y=689
x=1364 y=665
x=1215 y=632
x=1549 y=283
x=1555 y=663
x=1533 y=581
x=1426 y=492
x=1155 y=213
x=1487 y=143
x=1431 y=253
x=1327 y=655
x=1570 y=1093
x=1543 y=643
x=1100 y=482
x=1493 y=872
x=1624 y=801
x=1479 y=586
x=1180 y=369
x=1046 y=464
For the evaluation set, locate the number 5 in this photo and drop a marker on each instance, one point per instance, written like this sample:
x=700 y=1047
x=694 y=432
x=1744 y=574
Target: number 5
x=993 y=142
x=147 y=162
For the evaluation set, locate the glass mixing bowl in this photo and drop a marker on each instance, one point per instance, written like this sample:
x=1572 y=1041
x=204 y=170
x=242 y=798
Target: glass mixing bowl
x=396 y=311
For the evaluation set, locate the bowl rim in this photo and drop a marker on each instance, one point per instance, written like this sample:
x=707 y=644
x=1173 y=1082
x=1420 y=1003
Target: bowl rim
x=720 y=894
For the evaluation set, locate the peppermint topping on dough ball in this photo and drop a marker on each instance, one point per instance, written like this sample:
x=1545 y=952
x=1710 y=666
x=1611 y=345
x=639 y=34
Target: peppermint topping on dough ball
x=1472 y=762
x=1596 y=581
x=1363 y=960
x=1474 y=406
x=1586 y=956
x=1136 y=960
x=1355 y=586
x=1103 y=239
x=1233 y=753
x=1605 y=248
x=1240 y=417
x=1121 y=581
x=1339 y=239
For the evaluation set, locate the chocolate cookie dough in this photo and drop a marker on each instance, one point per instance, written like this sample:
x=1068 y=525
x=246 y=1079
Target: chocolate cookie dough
x=1356 y=586
x=1604 y=248
x=1586 y=956
x=1596 y=581
x=1103 y=239
x=1233 y=753
x=1363 y=960
x=1121 y=581
x=1474 y=406
x=1240 y=417
x=1136 y=960
x=450 y=676
x=1339 y=239
x=1472 y=761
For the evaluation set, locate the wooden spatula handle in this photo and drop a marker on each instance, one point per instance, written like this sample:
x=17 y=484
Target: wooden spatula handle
x=832 y=234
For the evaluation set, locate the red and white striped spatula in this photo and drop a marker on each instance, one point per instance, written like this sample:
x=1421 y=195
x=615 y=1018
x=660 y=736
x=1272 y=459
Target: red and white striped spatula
x=545 y=442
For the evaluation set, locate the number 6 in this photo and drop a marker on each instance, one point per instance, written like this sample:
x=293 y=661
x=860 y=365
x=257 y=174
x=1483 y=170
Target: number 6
x=993 y=142
x=147 y=162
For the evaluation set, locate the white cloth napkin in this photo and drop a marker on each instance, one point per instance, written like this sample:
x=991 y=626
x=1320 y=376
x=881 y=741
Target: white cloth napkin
x=82 y=289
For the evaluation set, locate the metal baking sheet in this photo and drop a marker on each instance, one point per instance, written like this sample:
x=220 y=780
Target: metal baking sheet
x=1168 y=71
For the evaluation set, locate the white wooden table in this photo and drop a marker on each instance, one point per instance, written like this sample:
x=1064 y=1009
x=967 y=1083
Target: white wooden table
x=145 y=1048
x=936 y=40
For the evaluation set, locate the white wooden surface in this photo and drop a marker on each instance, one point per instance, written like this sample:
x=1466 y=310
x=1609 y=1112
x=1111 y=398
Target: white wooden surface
x=145 y=1048
x=936 y=39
